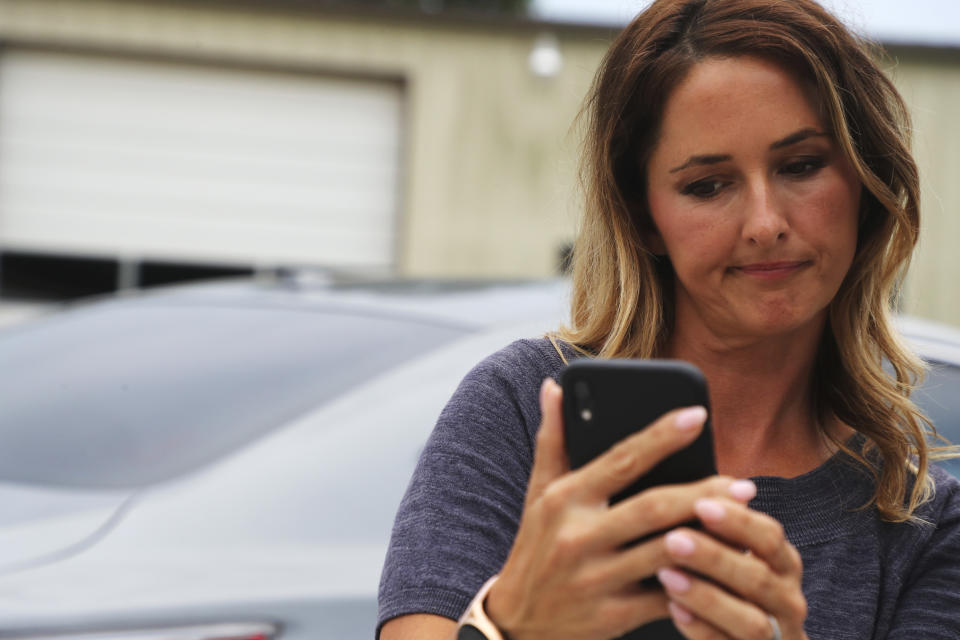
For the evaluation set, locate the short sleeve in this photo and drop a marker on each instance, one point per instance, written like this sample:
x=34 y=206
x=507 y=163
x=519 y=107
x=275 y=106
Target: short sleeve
x=457 y=520
x=929 y=606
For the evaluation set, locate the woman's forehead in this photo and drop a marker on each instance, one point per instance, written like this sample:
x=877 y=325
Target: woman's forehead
x=723 y=104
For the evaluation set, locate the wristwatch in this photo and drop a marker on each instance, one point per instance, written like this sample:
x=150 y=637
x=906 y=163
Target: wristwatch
x=474 y=623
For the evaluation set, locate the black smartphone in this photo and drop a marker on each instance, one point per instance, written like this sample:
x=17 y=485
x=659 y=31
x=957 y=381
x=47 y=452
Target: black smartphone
x=604 y=401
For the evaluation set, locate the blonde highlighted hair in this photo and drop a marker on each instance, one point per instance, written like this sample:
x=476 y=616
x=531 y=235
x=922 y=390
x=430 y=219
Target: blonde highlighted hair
x=622 y=300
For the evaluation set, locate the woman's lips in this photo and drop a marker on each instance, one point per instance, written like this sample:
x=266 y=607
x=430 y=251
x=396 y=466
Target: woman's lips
x=772 y=270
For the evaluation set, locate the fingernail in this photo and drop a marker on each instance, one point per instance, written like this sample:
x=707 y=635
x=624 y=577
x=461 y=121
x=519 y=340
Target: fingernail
x=690 y=418
x=679 y=614
x=673 y=580
x=543 y=390
x=743 y=490
x=709 y=510
x=679 y=543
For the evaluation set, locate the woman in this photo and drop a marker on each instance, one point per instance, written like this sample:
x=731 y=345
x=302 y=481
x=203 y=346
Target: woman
x=752 y=204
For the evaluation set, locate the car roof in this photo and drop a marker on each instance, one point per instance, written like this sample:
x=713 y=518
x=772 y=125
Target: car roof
x=465 y=303
x=933 y=340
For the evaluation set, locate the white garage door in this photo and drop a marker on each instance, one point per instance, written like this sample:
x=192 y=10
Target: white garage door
x=153 y=160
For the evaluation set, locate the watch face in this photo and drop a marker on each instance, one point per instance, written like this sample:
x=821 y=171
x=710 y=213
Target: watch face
x=470 y=632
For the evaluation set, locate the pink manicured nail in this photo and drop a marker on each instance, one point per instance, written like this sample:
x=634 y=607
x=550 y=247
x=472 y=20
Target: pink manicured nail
x=673 y=580
x=679 y=543
x=679 y=614
x=690 y=418
x=743 y=490
x=709 y=510
x=545 y=389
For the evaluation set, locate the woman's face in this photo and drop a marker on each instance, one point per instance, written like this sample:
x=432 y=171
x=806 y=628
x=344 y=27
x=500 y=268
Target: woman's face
x=752 y=199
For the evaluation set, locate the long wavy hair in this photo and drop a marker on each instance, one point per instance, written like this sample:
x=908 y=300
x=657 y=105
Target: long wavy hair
x=622 y=300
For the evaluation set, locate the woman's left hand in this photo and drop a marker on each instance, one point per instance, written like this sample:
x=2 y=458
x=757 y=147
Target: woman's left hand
x=742 y=590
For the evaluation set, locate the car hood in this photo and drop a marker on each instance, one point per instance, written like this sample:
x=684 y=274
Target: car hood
x=39 y=525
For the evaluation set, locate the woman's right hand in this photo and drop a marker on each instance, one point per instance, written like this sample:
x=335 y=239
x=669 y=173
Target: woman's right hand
x=569 y=575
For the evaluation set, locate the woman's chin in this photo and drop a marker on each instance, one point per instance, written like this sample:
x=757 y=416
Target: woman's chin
x=782 y=322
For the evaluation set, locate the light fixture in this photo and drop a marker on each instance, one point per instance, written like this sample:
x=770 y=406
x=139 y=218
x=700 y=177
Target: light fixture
x=545 y=60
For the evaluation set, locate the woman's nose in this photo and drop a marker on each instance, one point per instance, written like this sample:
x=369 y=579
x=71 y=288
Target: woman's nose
x=765 y=220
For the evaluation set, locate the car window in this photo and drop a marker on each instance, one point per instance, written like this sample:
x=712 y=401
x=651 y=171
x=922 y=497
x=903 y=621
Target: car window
x=127 y=394
x=939 y=397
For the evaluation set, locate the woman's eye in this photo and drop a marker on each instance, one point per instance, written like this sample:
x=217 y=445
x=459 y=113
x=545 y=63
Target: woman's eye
x=803 y=167
x=704 y=188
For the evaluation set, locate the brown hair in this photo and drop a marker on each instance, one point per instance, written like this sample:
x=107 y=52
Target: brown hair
x=622 y=294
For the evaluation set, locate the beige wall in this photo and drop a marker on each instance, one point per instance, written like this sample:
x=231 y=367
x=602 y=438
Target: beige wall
x=490 y=155
x=930 y=83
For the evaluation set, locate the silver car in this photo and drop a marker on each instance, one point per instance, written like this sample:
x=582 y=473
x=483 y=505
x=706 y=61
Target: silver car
x=224 y=461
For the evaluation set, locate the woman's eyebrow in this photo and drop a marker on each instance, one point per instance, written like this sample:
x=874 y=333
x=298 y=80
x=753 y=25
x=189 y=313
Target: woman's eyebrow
x=715 y=158
x=700 y=160
x=799 y=136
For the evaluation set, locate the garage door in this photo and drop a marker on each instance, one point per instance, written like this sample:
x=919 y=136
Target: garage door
x=154 y=160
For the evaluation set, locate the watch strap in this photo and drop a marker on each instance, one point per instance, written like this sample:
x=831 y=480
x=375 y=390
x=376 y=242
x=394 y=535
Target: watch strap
x=474 y=624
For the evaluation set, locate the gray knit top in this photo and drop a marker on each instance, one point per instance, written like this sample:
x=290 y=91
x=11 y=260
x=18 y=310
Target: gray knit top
x=863 y=578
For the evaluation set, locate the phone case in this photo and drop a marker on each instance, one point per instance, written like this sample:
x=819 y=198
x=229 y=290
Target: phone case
x=605 y=401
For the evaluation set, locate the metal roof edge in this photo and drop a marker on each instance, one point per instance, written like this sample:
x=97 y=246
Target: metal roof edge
x=459 y=18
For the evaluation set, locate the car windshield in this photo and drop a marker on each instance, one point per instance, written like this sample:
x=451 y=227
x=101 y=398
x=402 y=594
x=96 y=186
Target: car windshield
x=130 y=393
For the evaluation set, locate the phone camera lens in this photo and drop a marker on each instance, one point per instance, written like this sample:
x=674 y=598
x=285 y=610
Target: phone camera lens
x=581 y=392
